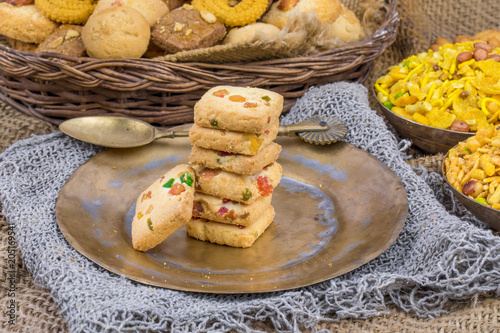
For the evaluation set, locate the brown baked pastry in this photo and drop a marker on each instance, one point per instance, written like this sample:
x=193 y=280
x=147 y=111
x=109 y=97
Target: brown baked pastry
x=25 y=23
x=67 y=39
x=187 y=29
x=116 y=33
x=21 y=46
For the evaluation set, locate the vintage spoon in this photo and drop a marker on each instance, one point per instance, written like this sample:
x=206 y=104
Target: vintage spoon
x=123 y=132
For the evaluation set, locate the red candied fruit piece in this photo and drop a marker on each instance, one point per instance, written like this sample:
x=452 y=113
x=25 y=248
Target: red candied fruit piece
x=221 y=93
x=268 y=119
x=237 y=98
x=206 y=174
x=222 y=211
x=177 y=189
x=265 y=188
x=226 y=200
x=224 y=153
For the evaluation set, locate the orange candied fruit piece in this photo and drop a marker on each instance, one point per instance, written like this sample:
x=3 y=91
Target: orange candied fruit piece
x=250 y=105
x=237 y=98
x=140 y=215
x=220 y=93
x=150 y=209
x=255 y=144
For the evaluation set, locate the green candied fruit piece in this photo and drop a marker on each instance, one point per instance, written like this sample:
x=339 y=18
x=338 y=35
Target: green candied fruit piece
x=187 y=178
x=388 y=105
x=256 y=234
x=214 y=123
x=481 y=201
x=169 y=183
x=467 y=150
x=266 y=98
x=406 y=64
x=150 y=224
x=399 y=95
x=247 y=194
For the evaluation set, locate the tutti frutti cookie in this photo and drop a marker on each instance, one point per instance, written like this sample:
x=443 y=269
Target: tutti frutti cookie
x=165 y=206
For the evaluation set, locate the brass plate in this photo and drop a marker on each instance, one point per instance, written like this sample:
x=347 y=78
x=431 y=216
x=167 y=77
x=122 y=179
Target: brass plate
x=337 y=208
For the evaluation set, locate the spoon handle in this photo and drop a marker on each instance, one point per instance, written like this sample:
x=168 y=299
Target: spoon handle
x=292 y=130
x=284 y=130
x=171 y=134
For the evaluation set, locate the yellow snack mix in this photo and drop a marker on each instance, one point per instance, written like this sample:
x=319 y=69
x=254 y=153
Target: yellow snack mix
x=473 y=167
x=438 y=88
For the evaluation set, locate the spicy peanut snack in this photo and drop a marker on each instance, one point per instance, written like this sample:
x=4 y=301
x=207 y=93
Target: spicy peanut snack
x=473 y=167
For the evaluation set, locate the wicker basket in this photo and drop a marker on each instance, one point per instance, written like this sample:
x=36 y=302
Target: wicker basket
x=54 y=87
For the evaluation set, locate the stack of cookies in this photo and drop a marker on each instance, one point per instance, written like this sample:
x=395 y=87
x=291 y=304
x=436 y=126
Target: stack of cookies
x=234 y=159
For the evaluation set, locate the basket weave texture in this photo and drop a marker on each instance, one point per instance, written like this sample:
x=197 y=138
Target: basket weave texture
x=55 y=87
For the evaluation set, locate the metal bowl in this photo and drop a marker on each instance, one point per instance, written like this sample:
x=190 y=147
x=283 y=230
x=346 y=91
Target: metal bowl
x=430 y=139
x=484 y=213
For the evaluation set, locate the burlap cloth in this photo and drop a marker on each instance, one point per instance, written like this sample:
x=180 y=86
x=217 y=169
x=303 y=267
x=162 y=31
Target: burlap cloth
x=421 y=22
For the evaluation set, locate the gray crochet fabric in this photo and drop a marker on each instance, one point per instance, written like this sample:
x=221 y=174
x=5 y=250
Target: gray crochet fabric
x=438 y=256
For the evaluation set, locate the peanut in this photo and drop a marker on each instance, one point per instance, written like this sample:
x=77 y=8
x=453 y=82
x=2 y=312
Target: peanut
x=464 y=56
x=459 y=126
x=480 y=54
x=495 y=57
x=488 y=48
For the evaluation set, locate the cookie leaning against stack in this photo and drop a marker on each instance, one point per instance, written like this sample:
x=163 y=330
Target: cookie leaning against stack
x=234 y=159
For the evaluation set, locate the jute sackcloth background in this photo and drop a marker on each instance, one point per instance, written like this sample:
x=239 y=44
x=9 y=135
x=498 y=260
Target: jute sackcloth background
x=421 y=22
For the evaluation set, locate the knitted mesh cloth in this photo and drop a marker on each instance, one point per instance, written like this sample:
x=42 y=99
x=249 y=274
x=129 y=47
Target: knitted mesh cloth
x=438 y=256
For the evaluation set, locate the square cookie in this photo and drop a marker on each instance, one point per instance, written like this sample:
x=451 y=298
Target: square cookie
x=232 y=142
x=238 y=109
x=243 y=188
x=240 y=164
x=221 y=210
x=230 y=235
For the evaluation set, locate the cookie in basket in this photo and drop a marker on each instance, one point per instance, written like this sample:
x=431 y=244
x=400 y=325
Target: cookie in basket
x=185 y=29
x=163 y=207
x=232 y=142
x=152 y=10
x=20 y=46
x=116 y=33
x=241 y=164
x=228 y=234
x=240 y=109
x=226 y=211
x=243 y=188
x=25 y=23
x=66 y=39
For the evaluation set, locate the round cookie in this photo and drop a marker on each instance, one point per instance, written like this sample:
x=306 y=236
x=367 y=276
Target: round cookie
x=152 y=10
x=25 y=23
x=263 y=31
x=163 y=207
x=328 y=11
x=116 y=33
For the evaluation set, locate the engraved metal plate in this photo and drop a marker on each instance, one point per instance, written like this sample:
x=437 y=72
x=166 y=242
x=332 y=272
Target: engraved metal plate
x=337 y=208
